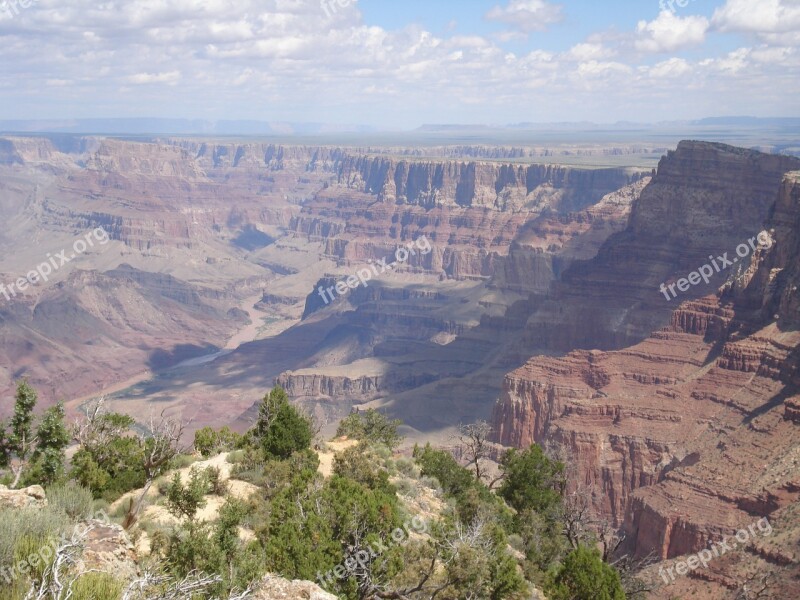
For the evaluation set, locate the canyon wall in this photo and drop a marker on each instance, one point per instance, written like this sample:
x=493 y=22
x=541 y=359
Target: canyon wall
x=705 y=200
x=687 y=433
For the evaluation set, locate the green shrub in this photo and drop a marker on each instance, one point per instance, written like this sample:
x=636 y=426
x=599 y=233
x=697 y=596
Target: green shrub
x=97 y=586
x=73 y=499
x=182 y=461
x=37 y=551
x=273 y=476
x=371 y=426
x=359 y=464
x=584 y=576
x=208 y=442
x=216 y=484
x=101 y=506
x=16 y=590
x=406 y=488
x=281 y=429
x=35 y=523
x=407 y=467
x=236 y=457
x=186 y=500
x=532 y=480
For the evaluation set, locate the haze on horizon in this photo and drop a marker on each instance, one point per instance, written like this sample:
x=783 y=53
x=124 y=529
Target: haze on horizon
x=397 y=66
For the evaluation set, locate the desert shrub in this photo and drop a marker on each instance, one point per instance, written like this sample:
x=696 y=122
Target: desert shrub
x=359 y=464
x=182 y=461
x=431 y=483
x=216 y=484
x=73 y=499
x=185 y=500
x=453 y=478
x=532 y=480
x=36 y=551
x=281 y=429
x=406 y=488
x=584 y=576
x=208 y=441
x=14 y=590
x=273 y=476
x=371 y=426
x=407 y=468
x=109 y=461
x=96 y=586
x=34 y=523
x=236 y=456
x=101 y=506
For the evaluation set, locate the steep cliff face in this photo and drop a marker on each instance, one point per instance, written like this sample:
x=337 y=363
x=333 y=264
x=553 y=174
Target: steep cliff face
x=274 y=157
x=690 y=434
x=496 y=186
x=470 y=212
x=754 y=382
x=704 y=201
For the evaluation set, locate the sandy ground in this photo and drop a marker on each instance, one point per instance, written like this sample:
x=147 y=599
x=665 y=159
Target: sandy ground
x=157 y=513
x=332 y=448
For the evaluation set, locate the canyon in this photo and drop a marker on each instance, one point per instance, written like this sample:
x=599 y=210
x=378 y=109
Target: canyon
x=538 y=307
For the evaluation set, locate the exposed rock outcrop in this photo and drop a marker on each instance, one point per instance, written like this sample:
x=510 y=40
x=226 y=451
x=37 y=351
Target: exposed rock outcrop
x=689 y=434
x=107 y=548
x=277 y=588
x=32 y=496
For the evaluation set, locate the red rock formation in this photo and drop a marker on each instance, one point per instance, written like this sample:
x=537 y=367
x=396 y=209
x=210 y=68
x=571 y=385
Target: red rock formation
x=706 y=199
x=691 y=434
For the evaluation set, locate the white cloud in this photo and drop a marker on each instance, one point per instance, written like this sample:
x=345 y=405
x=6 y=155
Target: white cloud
x=776 y=22
x=762 y=16
x=589 y=51
x=774 y=55
x=526 y=15
x=733 y=63
x=285 y=60
x=594 y=68
x=670 y=32
x=145 y=78
x=670 y=69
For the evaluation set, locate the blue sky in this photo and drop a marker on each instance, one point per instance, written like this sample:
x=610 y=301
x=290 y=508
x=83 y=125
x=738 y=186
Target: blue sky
x=399 y=64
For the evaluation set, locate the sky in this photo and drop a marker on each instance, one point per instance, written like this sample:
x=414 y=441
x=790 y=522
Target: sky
x=398 y=64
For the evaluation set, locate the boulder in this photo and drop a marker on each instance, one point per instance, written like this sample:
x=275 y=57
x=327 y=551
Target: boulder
x=277 y=588
x=32 y=496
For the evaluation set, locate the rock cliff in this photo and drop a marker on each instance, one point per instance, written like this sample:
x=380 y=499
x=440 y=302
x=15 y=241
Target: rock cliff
x=688 y=433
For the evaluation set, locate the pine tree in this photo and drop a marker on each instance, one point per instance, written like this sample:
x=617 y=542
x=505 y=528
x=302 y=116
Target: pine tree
x=17 y=444
x=281 y=429
x=52 y=438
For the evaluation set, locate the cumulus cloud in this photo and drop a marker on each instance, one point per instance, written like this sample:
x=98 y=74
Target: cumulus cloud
x=144 y=78
x=670 y=69
x=764 y=16
x=589 y=51
x=774 y=21
x=287 y=60
x=670 y=32
x=526 y=15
